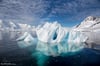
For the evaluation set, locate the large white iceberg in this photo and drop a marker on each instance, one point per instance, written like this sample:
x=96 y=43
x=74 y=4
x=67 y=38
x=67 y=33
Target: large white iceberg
x=51 y=32
x=55 y=33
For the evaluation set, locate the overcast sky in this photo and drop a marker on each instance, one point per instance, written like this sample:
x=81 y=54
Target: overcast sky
x=66 y=12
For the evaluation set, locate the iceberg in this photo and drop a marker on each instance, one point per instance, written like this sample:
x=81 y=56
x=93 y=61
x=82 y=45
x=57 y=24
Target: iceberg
x=55 y=33
x=26 y=40
x=51 y=32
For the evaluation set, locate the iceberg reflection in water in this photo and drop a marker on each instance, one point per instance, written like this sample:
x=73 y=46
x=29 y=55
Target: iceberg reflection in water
x=54 y=49
x=45 y=50
x=58 y=48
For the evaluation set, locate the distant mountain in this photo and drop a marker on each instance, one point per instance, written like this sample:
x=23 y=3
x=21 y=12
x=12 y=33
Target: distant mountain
x=91 y=28
x=91 y=23
x=12 y=25
x=11 y=31
x=8 y=24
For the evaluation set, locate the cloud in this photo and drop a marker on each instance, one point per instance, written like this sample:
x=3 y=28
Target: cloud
x=25 y=10
x=37 y=11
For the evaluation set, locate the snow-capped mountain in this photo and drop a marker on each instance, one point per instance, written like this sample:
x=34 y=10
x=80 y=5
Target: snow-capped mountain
x=12 y=25
x=91 y=28
x=8 y=24
x=13 y=30
x=90 y=23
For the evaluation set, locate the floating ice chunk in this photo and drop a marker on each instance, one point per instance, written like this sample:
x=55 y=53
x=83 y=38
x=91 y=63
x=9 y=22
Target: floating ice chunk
x=22 y=37
x=26 y=40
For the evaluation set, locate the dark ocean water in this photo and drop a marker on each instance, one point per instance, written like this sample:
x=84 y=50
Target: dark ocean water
x=12 y=55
